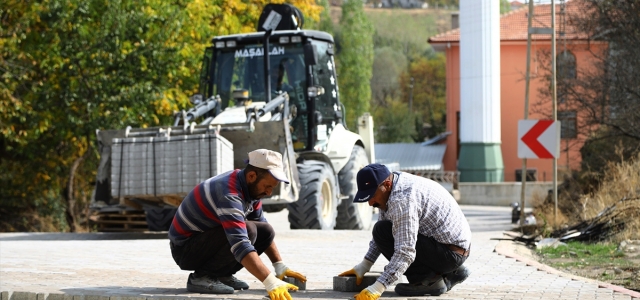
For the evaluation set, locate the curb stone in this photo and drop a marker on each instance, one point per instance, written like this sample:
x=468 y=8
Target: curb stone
x=508 y=249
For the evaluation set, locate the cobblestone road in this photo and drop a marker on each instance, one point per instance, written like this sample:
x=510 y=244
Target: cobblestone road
x=136 y=266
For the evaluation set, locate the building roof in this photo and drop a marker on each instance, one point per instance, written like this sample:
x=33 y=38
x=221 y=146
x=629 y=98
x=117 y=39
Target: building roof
x=436 y=139
x=411 y=157
x=513 y=25
x=516 y=5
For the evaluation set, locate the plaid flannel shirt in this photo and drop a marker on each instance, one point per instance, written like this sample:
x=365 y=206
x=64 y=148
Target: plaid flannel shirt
x=418 y=205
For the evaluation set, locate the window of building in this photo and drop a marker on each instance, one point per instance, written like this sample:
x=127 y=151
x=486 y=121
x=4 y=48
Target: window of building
x=566 y=65
x=566 y=70
x=567 y=124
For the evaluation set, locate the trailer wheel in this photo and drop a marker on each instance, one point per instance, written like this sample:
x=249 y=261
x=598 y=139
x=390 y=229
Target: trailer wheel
x=353 y=215
x=316 y=207
x=160 y=218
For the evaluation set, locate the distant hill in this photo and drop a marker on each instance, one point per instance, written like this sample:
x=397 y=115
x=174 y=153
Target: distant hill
x=412 y=25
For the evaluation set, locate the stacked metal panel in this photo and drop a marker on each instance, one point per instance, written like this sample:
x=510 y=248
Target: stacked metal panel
x=164 y=166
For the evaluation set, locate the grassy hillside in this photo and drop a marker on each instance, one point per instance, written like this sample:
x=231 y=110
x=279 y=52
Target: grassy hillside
x=401 y=52
x=406 y=25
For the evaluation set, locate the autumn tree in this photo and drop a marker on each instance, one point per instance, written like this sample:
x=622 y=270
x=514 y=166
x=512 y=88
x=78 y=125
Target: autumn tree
x=424 y=85
x=71 y=67
x=394 y=123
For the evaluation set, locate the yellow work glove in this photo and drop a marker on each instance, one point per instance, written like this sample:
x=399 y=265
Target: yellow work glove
x=359 y=270
x=278 y=289
x=282 y=270
x=372 y=292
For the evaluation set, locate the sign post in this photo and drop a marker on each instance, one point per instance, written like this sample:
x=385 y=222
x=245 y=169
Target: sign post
x=552 y=31
x=539 y=139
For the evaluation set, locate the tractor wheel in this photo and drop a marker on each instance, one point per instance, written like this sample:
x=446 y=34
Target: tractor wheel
x=353 y=215
x=273 y=208
x=160 y=218
x=316 y=206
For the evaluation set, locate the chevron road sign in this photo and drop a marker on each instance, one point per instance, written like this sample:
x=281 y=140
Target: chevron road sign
x=538 y=139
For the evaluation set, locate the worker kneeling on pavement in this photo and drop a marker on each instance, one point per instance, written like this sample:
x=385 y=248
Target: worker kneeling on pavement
x=421 y=231
x=220 y=228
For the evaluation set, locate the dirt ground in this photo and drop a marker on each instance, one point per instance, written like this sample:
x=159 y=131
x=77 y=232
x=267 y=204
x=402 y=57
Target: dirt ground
x=622 y=271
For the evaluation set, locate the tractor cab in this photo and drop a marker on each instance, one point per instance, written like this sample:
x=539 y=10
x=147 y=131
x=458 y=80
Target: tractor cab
x=300 y=63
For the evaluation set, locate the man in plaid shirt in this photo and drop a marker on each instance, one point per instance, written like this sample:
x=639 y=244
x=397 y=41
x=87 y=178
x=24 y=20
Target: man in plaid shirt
x=421 y=231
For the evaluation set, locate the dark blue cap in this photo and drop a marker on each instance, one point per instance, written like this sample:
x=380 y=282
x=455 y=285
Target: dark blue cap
x=368 y=179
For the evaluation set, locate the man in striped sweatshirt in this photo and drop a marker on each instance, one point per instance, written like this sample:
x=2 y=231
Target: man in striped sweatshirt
x=220 y=228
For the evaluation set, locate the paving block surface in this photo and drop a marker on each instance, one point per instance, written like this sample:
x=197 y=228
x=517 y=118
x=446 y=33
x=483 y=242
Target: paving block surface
x=348 y=283
x=301 y=285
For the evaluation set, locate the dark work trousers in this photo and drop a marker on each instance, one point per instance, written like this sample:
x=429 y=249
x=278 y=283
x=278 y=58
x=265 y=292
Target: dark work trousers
x=432 y=258
x=209 y=253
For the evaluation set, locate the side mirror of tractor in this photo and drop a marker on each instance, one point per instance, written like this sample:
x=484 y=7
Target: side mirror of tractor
x=310 y=54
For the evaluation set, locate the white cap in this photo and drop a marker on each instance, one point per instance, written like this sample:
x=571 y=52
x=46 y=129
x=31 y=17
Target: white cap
x=269 y=160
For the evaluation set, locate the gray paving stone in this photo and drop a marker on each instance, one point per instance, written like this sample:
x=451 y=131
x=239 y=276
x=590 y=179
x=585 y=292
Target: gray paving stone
x=95 y=297
x=54 y=296
x=301 y=285
x=348 y=283
x=126 y=298
x=23 y=296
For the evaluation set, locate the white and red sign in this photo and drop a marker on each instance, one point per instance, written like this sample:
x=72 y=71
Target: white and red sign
x=538 y=138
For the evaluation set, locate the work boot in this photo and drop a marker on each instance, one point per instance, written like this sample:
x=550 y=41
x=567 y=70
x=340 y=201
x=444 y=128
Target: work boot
x=234 y=282
x=455 y=277
x=433 y=286
x=205 y=284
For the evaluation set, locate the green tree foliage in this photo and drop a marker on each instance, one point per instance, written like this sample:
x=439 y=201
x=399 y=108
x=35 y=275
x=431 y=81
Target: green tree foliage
x=429 y=93
x=394 y=123
x=505 y=6
x=355 y=60
x=325 y=23
x=388 y=64
x=69 y=67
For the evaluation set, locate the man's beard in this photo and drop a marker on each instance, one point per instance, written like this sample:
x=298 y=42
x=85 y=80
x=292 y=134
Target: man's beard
x=253 y=190
x=376 y=205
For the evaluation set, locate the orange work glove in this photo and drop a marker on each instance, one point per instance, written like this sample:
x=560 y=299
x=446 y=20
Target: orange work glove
x=359 y=270
x=282 y=270
x=278 y=289
x=372 y=292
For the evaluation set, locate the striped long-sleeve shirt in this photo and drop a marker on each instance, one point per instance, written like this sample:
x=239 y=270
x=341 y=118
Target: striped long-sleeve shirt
x=224 y=201
x=418 y=206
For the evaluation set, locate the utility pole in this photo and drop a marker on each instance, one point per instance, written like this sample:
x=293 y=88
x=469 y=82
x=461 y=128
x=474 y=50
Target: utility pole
x=552 y=32
x=555 y=107
x=526 y=109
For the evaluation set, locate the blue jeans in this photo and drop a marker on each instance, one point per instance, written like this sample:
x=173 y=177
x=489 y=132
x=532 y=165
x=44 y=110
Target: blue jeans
x=432 y=258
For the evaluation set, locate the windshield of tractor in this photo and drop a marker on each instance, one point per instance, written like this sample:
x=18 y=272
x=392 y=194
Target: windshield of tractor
x=243 y=68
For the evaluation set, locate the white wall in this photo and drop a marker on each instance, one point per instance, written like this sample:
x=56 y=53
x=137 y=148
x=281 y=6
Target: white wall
x=500 y=194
